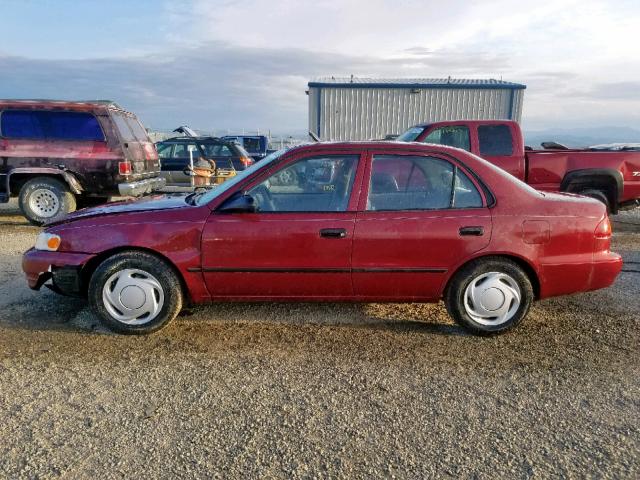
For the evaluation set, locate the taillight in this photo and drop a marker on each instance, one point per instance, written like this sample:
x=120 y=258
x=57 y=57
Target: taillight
x=150 y=152
x=602 y=235
x=246 y=161
x=124 y=168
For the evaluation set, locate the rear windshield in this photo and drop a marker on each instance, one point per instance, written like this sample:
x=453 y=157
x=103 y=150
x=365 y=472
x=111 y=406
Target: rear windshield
x=251 y=144
x=50 y=125
x=495 y=140
x=410 y=135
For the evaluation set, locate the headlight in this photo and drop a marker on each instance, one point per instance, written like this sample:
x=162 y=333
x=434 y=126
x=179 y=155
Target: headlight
x=48 y=241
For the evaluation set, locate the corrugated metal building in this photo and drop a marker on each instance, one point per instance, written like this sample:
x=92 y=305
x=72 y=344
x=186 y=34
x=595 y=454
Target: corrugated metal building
x=364 y=108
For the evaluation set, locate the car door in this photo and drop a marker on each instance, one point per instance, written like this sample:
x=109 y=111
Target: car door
x=419 y=216
x=298 y=243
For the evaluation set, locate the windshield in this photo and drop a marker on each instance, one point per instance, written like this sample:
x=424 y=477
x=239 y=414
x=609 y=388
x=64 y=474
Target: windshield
x=410 y=135
x=214 y=192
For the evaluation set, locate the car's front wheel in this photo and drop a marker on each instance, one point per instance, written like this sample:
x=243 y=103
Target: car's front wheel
x=135 y=293
x=489 y=295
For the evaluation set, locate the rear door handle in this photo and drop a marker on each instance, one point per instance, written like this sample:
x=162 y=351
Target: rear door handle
x=333 y=233
x=471 y=231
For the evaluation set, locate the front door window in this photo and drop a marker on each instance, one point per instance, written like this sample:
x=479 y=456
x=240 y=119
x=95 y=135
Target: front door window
x=316 y=184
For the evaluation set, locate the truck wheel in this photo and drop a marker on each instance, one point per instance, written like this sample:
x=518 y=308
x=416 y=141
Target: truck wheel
x=45 y=199
x=489 y=296
x=135 y=293
x=598 y=195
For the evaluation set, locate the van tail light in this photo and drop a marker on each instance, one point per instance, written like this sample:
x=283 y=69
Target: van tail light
x=124 y=168
x=246 y=161
x=602 y=235
x=150 y=152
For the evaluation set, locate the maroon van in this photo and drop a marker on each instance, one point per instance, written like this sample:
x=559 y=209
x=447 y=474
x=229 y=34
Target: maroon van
x=57 y=156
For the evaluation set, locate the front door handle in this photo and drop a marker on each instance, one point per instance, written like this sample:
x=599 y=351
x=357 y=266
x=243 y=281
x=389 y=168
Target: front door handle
x=333 y=233
x=471 y=231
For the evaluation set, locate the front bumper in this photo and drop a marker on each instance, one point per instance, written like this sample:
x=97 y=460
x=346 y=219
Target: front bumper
x=141 y=187
x=62 y=268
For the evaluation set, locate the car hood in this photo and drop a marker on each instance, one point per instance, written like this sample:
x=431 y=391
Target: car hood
x=152 y=202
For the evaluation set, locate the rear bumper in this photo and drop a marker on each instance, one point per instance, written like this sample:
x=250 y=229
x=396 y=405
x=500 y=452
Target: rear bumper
x=606 y=267
x=599 y=271
x=141 y=187
x=60 y=267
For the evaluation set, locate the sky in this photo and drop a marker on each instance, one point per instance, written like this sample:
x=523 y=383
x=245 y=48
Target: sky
x=245 y=64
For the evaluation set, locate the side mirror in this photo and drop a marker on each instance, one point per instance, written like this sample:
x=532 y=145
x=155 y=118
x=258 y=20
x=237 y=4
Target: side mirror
x=238 y=204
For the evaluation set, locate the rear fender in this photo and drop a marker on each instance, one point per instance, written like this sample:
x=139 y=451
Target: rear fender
x=610 y=178
x=26 y=172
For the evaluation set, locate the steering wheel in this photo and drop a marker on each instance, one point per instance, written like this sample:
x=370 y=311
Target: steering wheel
x=263 y=198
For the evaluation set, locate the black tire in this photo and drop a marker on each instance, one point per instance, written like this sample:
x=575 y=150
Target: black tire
x=598 y=195
x=150 y=265
x=44 y=199
x=455 y=294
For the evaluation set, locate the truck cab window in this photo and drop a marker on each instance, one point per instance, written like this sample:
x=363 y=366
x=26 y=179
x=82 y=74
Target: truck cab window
x=453 y=136
x=495 y=140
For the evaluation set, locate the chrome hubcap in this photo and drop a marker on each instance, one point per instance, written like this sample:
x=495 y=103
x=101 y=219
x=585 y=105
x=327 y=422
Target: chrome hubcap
x=44 y=203
x=492 y=298
x=133 y=296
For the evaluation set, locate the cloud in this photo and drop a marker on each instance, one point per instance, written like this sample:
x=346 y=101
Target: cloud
x=246 y=63
x=215 y=85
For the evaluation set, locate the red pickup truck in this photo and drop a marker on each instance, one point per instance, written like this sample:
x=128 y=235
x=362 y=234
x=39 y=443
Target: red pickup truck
x=611 y=176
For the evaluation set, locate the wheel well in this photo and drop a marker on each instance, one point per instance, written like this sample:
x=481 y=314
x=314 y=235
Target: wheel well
x=90 y=267
x=17 y=180
x=605 y=183
x=526 y=267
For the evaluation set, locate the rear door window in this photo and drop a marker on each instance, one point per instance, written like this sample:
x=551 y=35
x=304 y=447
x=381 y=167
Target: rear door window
x=50 y=125
x=452 y=136
x=182 y=150
x=404 y=182
x=495 y=140
x=213 y=150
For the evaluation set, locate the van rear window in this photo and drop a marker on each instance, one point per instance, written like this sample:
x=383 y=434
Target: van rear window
x=50 y=125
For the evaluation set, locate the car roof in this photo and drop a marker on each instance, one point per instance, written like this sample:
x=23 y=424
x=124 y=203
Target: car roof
x=49 y=104
x=377 y=145
x=463 y=122
x=198 y=139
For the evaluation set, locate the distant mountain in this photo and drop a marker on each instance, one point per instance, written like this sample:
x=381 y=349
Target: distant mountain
x=582 y=137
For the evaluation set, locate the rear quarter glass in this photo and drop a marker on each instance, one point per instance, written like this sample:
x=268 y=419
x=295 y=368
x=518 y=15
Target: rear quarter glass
x=126 y=134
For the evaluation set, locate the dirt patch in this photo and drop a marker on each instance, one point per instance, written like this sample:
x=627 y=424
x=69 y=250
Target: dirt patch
x=316 y=390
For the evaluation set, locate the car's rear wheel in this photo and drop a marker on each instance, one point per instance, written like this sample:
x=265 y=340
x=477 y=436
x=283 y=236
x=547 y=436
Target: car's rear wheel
x=45 y=199
x=135 y=293
x=598 y=195
x=489 y=296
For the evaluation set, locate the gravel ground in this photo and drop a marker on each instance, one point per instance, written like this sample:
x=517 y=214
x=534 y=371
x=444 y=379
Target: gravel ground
x=305 y=390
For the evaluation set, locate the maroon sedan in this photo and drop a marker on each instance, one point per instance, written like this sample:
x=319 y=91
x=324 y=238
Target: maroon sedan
x=367 y=222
